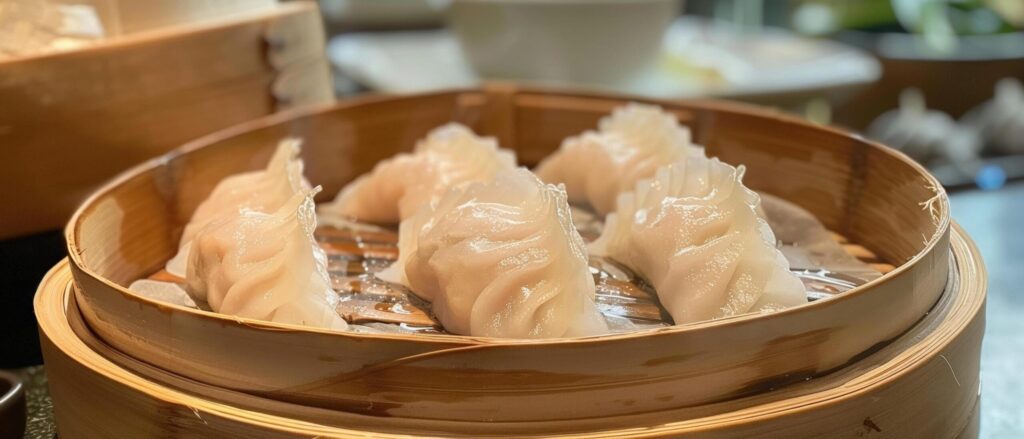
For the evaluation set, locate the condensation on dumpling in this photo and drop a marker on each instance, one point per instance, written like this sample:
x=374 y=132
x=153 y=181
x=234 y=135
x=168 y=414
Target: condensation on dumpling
x=265 y=190
x=265 y=266
x=630 y=145
x=693 y=231
x=450 y=156
x=501 y=259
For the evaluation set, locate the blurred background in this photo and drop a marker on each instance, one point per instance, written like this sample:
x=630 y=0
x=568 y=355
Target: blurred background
x=940 y=80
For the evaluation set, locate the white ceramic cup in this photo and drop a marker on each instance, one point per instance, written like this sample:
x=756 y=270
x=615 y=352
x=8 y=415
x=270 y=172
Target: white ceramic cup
x=593 y=42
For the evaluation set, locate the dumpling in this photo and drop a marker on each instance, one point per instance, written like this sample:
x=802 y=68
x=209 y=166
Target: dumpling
x=502 y=259
x=693 y=231
x=631 y=144
x=265 y=266
x=265 y=190
x=450 y=156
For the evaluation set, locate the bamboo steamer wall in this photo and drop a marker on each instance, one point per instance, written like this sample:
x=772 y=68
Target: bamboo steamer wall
x=131 y=227
x=70 y=120
x=923 y=385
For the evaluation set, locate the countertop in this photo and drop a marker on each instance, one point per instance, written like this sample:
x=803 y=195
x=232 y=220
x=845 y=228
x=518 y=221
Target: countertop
x=994 y=220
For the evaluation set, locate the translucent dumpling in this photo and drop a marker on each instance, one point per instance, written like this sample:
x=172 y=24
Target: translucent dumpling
x=631 y=144
x=265 y=266
x=693 y=231
x=265 y=190
x=502 y=259
x=450 y=156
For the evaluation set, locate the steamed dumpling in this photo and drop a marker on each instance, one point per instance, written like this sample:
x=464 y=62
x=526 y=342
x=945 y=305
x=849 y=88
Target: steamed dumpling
x=502 y=259
x=693 y=231
x=265 y=190
x=265 y=266
x=450 y=156
x=633 y=142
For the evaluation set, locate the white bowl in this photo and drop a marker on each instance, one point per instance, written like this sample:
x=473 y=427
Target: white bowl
x=599 y=42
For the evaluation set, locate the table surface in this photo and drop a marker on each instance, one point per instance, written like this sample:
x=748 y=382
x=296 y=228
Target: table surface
x=992 y=219
x=40 y=424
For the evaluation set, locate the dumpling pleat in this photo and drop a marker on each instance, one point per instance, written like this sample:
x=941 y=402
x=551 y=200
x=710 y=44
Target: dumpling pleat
x=502 y=259
x=696 y=233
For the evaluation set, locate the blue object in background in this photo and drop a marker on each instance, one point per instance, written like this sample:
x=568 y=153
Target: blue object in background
x=990 y=177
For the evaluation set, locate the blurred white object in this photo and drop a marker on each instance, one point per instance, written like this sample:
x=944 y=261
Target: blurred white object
x=927 y=135
x=371 y=13
x=1001 y=120
x=815 y=19
x=406 y=61
x=768 y=60
x=562 y=41
x=39 y=26
x=166 y=292
x=697 y=58
x=295 y=49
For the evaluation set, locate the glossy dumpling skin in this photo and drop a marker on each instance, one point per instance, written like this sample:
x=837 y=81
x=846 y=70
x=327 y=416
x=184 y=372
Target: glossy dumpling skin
x=450 y=156
x=630 y=145
x=265 y=190
x=693 y=231
x=265 y=266
x=502 y=259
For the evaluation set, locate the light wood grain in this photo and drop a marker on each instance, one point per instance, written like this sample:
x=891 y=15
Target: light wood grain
x=127 y=16
x=923 y=385
x=130 y=228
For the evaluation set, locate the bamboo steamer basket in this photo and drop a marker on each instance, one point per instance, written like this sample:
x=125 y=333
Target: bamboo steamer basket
x=924 y=384
x=125 y=99
x=872 y=195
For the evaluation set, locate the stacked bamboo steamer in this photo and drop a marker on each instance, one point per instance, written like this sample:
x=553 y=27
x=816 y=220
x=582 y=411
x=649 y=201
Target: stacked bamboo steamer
x=165 y=73
x=897 y=357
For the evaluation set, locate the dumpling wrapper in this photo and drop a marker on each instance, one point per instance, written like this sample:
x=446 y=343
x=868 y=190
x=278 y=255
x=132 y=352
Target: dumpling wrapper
x=265 y=190
x=693 y=231
x=450 y=156
x=265 y=266
x=631 y=144
x=501 y=259
x=808 y=245
x=161 y=291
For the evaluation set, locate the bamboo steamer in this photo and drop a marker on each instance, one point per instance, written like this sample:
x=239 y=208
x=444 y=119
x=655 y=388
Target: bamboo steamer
x=122 y=100
x=872 y=195
x=924 y=384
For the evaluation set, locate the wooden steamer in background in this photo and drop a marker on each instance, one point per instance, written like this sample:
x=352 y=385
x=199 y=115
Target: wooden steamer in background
x=156 y=81
x=808 y=370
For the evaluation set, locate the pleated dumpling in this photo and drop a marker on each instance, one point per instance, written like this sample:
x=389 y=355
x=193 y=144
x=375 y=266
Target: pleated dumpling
x=502 y=259
x=265 y=266
x=631 y=144
x=693 y=231
x=450 y=156
x=265 y=190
